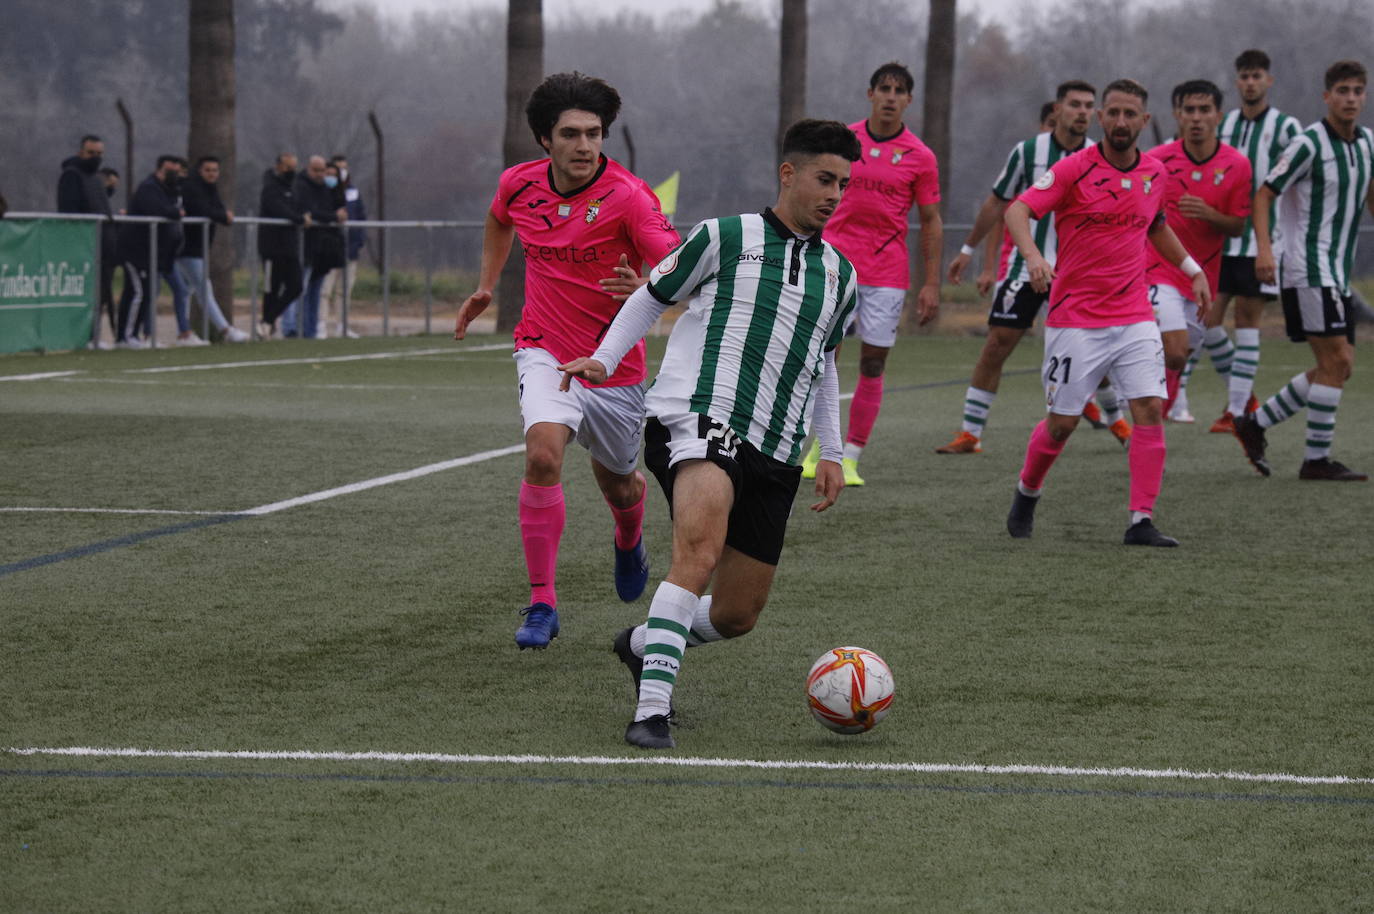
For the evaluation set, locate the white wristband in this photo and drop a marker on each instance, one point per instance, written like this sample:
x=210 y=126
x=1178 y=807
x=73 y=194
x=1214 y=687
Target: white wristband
x=1190 y=267
x=968 y=250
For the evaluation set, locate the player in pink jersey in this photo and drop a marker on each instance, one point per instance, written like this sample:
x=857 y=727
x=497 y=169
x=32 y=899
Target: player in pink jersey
x=586 y=225
x=1107 y=202
x=895 y=172
x=1206 y=200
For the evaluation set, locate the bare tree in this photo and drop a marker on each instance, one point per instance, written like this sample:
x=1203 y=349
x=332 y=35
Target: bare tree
x=791 y=66
x=211 y=92
x=524 y=71
x=939 y=86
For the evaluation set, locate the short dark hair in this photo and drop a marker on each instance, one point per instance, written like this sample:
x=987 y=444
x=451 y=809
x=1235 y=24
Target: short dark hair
x=1074 y=85
x=1196 y=87
x=89 y=138
x=336 y=158
x=1342 y=70
x=895 y=71
x=109 y=172
x=1129 y=87
x=810 y=137
x=169 y=157
x=203 y=159
x=566 y=92
x=1046 y=110
x=1252 y=59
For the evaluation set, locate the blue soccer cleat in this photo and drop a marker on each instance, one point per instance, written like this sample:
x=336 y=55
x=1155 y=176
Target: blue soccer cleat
x=631 y=571
x=539 y=628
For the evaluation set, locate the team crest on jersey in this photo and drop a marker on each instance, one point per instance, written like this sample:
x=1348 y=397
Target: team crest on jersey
x=897 y=156
x=832 y=283
x=1045 y=181
x=564 y=209
x=1218 y=175
x=593 y=208
x=1146 y=183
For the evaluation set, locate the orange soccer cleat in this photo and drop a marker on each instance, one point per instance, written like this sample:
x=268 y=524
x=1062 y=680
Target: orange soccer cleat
x=1226 y=425
x=963 y=443
x=1093 y=415
x=1122 y=430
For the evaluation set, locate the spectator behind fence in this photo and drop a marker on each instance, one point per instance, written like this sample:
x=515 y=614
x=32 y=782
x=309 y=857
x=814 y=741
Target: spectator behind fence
x=200 y=198
x=156 y=196
x=181 y=295
x=110 y=176
x=357 y=238
x=81 y=189
x=324 y=245
x=279 y=245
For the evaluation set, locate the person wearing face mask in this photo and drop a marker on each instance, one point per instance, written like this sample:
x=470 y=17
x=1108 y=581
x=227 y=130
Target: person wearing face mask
x=356 y=239
x=278 y=245
x=158 y=195
x=81 y=189
x=324 y=248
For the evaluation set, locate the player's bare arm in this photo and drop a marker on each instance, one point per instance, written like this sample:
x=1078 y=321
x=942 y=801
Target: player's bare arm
x=1172 y=250
x=624 y=279
x=989 y=216
x=1018 y=219
x=1265 y=266
x=497 y=239
x=932 y=246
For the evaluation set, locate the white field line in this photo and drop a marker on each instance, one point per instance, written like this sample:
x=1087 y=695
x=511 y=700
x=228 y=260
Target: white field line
x=261 y=363
x=282 y=385
x=41 y=376
x=602 y=761
x=352 y=487
x=113 y=511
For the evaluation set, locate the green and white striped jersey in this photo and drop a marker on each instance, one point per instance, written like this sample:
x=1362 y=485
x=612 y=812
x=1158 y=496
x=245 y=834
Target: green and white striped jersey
x=1325 y=182
x=1263 y=141
x=1026 y=163
x=763 y=306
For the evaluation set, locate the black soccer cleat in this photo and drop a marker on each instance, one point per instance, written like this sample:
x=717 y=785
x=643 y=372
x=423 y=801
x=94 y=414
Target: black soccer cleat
x=650 y=733
x=1021 y=518
x=1251 y=438
x=1329 y=469
x=1144 y=533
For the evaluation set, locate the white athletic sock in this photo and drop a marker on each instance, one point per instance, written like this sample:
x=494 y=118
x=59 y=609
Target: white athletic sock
x=701 y=632
x=1218 y=346
x=1138 y=516
x=853 y=451
x=977 y=405
x=1027 y=490
x=670 y=614
x=1187 y=372
x=1282 y=405
x=1243 y=369
x=1321 y=420
x=1111 y=405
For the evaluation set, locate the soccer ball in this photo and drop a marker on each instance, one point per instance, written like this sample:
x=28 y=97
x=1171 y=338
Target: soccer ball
x=849 y=689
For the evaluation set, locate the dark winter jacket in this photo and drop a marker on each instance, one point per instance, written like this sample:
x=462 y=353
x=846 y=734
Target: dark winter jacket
x=323 y=240
x=357 y=212
x=153 y=198
x=278 y=201
x=81 y=189
x=201 y=198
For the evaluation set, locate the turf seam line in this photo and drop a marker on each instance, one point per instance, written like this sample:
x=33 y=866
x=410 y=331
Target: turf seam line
x=40 y=376
x=698 y=762
x=357 y=357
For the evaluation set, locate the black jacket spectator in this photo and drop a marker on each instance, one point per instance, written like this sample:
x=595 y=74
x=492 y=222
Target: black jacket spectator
x=153 y=198
x=323 y=241
x=278 y=201
x=200 y=198
x=81 y=189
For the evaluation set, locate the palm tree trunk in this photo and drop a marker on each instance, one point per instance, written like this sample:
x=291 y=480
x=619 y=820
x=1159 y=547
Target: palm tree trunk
x=791 y=67
x=939 y=89
x=524 y=71
x=211 y=88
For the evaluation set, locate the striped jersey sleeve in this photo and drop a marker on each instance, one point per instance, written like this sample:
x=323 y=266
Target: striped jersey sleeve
x=849 y=300
x=1013 y=179
x=1293 y=165
x=693 y=262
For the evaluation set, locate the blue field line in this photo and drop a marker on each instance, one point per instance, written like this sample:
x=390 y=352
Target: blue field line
x=733 y=784
x=118 y=542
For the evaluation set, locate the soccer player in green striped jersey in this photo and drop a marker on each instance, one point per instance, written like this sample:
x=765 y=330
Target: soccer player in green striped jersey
x=1015 y=304
x=747 y=367
x=1327 y=178
x=1261 y=132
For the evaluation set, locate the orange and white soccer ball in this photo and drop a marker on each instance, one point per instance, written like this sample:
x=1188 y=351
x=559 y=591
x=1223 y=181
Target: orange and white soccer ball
x=849 y=689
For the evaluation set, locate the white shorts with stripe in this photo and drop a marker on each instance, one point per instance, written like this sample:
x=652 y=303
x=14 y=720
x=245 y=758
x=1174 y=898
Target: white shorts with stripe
x=877 y=315
x=1078 y=358
x=607 y=421
x=1175 y=311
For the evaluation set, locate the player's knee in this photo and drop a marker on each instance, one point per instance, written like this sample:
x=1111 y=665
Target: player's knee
x=1175 y=361
x=738 y=620
x=543 y=465
x=871 y=366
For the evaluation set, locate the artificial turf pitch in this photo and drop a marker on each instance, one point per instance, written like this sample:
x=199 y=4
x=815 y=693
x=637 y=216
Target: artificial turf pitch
x=382 y=620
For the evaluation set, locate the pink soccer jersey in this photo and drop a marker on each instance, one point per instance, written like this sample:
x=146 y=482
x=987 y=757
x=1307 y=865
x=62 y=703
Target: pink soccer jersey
x=1102 y=215
x=1223 y=183
x=570 y=243
x=869 y=227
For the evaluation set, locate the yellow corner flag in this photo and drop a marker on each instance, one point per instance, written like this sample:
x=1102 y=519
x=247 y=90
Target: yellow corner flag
x=667 y=194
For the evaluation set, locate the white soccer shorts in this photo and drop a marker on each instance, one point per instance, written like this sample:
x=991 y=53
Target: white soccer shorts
x=1175 y=311
x=877 y=314
x=1078 y=358
x=608 y=421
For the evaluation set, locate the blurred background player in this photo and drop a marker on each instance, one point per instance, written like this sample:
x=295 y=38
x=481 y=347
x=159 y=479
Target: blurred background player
x=1017 y=302
x=748 y=367
x=578 y=214
x=895 y=172
x=1325 y=175
x=1260 y=131
x=1109 y=202
x=1206 y=201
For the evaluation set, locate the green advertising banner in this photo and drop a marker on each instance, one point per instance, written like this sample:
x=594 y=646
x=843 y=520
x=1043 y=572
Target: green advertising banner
x=48 y=283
